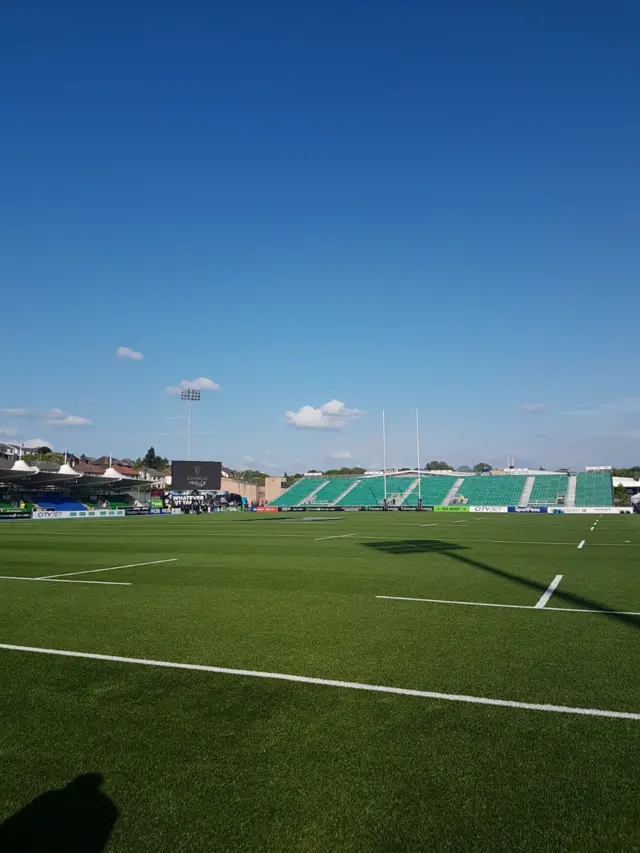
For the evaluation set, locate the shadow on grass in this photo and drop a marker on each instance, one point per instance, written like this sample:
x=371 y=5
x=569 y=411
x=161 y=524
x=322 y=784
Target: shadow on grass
x=451 y=550
x=78 y=818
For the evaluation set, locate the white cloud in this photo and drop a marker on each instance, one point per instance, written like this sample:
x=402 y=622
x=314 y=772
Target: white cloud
x=341 y=454
x=248 y=459
x=125 y=352
x=200 y=384
x=36 y=442
x=56 y=417
x=18 y=413
x=628 y=404
x=331 y=415
x=7 y=432
x=535 y=408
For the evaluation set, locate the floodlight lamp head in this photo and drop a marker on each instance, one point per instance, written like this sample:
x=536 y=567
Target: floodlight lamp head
x=191 y=394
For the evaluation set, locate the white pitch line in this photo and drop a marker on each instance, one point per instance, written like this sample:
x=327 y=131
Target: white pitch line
x=510 y=606
x=581 y=545
x=343 y=536
x=549 y=592
x=109 y=569
x=62 y=580
x=329 y=682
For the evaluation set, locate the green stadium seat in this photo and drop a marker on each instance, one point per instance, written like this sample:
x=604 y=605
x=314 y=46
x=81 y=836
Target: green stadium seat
x=548 y=489
x=300 y=490
x=332 y=490
x=433 y=490
x=594 y=489
x=492 y=490
x=370 y=491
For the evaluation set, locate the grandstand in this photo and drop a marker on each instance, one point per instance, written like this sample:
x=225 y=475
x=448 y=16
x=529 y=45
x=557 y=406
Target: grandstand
x=370 y=491
x=594 y=489
x=332 y=490
x=550 y=490
x=533 y=489
x=300 y=490
x=433 y=491
x=491 y=490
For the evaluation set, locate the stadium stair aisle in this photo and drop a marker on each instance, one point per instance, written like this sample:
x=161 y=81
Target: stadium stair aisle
x=299 y=491
x=331 y=491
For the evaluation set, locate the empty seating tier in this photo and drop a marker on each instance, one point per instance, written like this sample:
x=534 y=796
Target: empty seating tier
x=433 y=490
x=548 y=489
x=594 y=489
x=331 y=491
x=299 y=491
x=60 y=503
x=492 y=490
x=370 y=491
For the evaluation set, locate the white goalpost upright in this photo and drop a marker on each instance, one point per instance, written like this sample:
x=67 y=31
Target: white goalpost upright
x=418 y=455
x=384 y=458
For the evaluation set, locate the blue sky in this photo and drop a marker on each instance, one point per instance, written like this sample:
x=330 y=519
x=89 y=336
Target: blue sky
x=430 y=205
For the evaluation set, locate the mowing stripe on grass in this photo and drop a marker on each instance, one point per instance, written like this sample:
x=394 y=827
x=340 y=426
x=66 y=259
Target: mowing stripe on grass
x=343 y=536
x=62 y=580
x=329 y=682
x=549 y=592
x=581 y=544
x=109 y=569
x=510 y=606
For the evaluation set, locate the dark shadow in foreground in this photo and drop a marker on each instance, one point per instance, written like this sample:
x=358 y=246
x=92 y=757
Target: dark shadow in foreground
x=448 y=549
x=78 y=818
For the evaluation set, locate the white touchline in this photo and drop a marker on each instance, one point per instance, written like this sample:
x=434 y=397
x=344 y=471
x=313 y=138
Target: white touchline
x=581 y=544
x=329 y=682
x=62 y=580
x=509 y=606
x=343 y=536
x=549 y=592
x=109 y=569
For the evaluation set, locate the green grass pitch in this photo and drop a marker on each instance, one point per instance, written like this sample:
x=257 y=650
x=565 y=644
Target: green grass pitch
x=199 y=760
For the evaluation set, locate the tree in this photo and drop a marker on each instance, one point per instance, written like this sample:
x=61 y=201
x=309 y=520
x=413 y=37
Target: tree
x=149 y=459
x=438 y=466
x=152 y=460
x=47 y=456
x=621 y=497
x=332 y=472
x=248 y=475
x=634 y=472
x=482 y=466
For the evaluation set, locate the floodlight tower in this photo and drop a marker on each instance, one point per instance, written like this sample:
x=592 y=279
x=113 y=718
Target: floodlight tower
x=191 y=395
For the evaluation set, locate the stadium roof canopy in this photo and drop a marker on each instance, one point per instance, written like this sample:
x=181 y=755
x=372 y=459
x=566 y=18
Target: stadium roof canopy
x=26 y=477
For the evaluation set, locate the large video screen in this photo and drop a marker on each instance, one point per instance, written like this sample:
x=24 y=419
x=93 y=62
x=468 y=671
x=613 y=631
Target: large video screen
x=205 y=476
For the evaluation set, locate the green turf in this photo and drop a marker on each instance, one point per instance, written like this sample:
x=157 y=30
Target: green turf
x=200 y=761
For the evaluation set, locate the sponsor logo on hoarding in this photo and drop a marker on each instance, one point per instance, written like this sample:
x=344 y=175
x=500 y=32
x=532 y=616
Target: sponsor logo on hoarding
x=488 y=508
x=451 y=509
x=44 y=514
x=268 y=509
x=527 y=509
x=5 y=516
